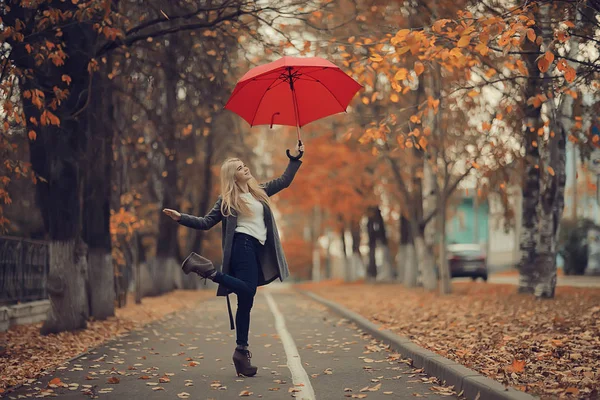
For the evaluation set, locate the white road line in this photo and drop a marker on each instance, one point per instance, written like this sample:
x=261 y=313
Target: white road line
x=299 y=375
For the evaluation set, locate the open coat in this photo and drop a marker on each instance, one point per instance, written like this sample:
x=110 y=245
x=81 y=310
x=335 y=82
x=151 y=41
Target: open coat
x=273 y=262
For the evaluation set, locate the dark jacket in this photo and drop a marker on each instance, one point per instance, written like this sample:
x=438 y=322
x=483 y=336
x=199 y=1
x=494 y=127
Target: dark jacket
x=273 y=262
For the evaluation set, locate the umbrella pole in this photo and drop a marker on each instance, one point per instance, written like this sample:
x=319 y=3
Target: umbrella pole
x=296 y=114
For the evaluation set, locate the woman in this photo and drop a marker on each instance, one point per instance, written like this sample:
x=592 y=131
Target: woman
x=252 y=252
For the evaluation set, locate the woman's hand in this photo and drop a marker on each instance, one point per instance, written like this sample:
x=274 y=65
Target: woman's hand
x=299 y=148
x=175 y=215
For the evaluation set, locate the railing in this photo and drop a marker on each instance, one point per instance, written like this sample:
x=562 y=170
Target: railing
x=24 y=265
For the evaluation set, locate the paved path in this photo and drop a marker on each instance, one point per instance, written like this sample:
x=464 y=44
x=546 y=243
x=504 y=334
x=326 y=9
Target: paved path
x=302 y=351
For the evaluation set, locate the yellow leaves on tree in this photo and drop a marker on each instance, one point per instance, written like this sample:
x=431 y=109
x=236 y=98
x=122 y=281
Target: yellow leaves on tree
x=463 y=41
x=47 y=118
x=570 y=74
x=419 y=68
x=439 y=24
x=376 y=58
x=401 y=74
x=545 y=61
x=537 y=100
x=36 y=96
x=543 y=65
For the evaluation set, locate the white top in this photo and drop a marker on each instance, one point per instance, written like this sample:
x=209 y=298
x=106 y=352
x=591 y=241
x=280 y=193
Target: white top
x=253 y=225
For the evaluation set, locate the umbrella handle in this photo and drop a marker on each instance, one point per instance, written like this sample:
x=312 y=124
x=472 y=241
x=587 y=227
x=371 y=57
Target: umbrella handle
x=300 y=154
x=272 y=118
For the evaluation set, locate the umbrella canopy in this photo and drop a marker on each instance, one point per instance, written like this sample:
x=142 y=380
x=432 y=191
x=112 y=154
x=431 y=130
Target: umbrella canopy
x=292 y=91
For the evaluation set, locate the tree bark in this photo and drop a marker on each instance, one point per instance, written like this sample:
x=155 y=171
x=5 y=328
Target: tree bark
x=167 y=247
x=206 y=193
x=531 y=185
x=372 y=234
x=347 y=258
x=445 y=284
x=426 y=263
x=66 y=287
x=96 y=200
x=356 y=265
x=385 y=273
x=405 y=243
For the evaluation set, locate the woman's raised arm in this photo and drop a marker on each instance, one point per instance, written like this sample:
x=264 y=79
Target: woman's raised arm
x=277 y=185
x=213 y=217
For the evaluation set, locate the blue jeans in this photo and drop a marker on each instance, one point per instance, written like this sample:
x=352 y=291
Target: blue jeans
x=243 y=280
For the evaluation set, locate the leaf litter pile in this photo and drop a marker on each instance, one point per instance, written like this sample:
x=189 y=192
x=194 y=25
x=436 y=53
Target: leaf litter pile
x=25 y=354
x=549 y=348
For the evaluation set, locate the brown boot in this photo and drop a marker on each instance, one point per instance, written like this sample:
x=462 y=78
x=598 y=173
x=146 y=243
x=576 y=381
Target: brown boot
x=243 y=365
x=198 y=264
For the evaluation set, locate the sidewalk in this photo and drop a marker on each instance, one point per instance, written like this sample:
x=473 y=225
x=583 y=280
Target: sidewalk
x=302 y=350
x=574 y=281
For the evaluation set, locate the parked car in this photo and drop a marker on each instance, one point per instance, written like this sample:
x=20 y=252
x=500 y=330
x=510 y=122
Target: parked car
x=467 y=260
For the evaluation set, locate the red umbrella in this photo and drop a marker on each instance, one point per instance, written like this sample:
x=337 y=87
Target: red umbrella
x=292 y=91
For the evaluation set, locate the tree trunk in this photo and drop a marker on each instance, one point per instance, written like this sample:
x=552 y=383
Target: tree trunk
x=426 y=263
x=167 y=247
x=372 y=233
x=96 y=200
x=347 y=259
x=410 y=266
x=531 y=185
x=445 y=284
x=66 y=287
x=403 y=249
x=385 y=273
x=552 y=192
x=550 y=211
x=101 y=284
x=206 y=193
x=356 y=264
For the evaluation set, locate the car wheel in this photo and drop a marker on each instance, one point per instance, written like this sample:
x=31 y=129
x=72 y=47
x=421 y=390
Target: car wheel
x=484 y=277
x=473 y=278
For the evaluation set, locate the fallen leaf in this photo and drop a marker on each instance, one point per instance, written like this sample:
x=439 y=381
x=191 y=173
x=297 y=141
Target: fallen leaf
x=517 y=366
x=245 y=393
x=113 y=380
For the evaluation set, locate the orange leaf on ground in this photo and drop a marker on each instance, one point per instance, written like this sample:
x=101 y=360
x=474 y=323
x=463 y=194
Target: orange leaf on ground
x=517 y=366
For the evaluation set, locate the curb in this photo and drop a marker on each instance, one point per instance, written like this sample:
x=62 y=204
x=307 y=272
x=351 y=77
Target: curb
x=472 y=384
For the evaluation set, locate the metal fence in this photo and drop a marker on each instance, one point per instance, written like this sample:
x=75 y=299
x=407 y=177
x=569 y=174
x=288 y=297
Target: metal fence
x=24 y=265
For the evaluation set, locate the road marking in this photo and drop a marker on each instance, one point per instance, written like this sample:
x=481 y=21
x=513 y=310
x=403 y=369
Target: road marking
x=299 y=375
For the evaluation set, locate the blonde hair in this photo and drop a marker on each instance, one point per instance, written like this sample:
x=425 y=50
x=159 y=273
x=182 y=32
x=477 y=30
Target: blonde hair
x=232 y=203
